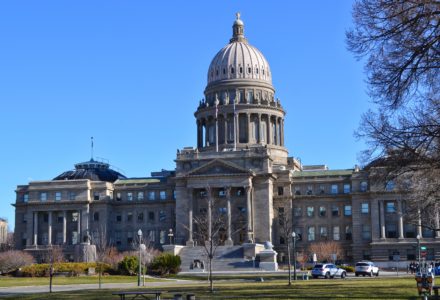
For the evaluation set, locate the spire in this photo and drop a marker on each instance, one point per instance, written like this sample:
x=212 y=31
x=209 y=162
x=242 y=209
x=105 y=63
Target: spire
x=238 y=30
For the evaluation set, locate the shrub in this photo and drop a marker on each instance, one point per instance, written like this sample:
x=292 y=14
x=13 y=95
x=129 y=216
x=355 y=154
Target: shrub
x=165 y=264
x=349 y=269
x=129 y=265
x=74 y=269
x=13 y=260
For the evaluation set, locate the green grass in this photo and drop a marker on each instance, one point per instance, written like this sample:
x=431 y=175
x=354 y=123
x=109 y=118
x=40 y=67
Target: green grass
x=29 y=281
x=365 y=288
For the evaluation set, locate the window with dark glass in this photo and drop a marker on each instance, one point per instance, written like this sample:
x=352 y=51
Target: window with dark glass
x=391 y=230
x=322 y=211
x=297 y=211
x=348 y=233
x=335 y=210
x=118 y=218
x=118 y=197
x=140 y=217
x=310 y=211
x=129 y=216
x=96 y=216
x=280 y=191
x=95 y=195
x=151 y=216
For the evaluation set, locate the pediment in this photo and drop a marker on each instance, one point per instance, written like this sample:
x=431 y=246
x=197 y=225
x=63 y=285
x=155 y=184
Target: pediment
x=219 y=167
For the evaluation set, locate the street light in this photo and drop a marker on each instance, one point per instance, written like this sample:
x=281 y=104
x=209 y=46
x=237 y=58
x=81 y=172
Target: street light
x=140 y=242
x=418 y=251
x=294 y=254
x=170 y=235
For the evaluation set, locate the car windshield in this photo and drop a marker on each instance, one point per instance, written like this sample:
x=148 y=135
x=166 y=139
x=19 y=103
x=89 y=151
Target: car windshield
x=362 y=265
x=318 y=266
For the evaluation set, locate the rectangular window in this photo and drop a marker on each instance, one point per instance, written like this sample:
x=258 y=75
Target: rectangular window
x=322 y=211
x=280 y=191
x=26 y=197
x=140 y=196
x=130 y=196
x=222 y=210
x=140 y=217
x=57 y=196
x=281 y=217
x=151 y=216
x=297 y=190
x=118 y=197
x=75 y=217
x=96 y=216
x=96 y=195
x=298 y=231
x=365 y=208
x=347 y=210
x=163 y=195
x=335 y=210
x=366 y=255
x=129 y=238
x=297 y=211
x=43 y=196
x=389 y=185
x=309 y=190
x=364 y=186
x=174 y=195
x=366 y=232
x=310 y=211
x=410 y=231
x=282 y=241
x=118 y=238
x=334 y=189
x=348 y=233
x=221 y=193
x=118 y=218
x=336 y=233
x=311 y=233
x=347 y=188
x=241 y=209
x=129 y=216
x=411 y=254
x=322 y=189
x=151 y=236
x=390 y=207
x=151 y=195
x=323 y=232
x=72 y=196
x=162 y=215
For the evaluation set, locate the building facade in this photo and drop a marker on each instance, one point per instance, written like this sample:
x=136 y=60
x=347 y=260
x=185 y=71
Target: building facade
x=240 y=161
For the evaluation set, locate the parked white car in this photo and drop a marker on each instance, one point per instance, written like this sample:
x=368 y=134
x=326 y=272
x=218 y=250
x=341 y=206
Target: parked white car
x=328 y=271
x=366 y=268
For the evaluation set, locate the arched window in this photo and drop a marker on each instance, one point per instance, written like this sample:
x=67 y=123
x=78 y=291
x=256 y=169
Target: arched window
x=241 y=69
x=263 y=131
x=232 y=70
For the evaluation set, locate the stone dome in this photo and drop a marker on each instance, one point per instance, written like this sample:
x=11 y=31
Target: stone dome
x=93 y=170
x=239 y=60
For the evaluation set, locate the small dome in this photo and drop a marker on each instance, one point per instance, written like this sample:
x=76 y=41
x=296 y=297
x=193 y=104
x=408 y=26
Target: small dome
x=93 y=170
x=239 y=60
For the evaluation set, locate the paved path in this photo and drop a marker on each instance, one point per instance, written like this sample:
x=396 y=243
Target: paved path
x=75 y=287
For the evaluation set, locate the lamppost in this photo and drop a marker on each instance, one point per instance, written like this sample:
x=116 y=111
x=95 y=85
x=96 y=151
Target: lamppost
x=140 y=250
x=294 y=254
x=170 y=235
x=418 y=251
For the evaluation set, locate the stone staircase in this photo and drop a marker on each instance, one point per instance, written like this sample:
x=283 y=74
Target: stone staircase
x=227 y=258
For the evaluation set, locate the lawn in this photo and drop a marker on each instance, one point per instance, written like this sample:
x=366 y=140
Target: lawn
x=364 y=288
x=28 y=281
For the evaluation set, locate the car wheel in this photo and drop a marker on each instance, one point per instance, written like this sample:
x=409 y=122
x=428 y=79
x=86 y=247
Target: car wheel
x=314 y=276
x=327 y=275
x=371 y=274
x=343 y=275
x=377 y=274
x=356 y=274
x=363 y=275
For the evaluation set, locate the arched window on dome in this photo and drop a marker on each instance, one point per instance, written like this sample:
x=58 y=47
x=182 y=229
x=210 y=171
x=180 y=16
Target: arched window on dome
x=216 y=72
x=224 y=71
x=241 y=70
x=249 y=70
x=256 y=70
x=232 y=70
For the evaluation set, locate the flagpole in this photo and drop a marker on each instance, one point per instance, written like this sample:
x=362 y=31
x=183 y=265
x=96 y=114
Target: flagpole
x=91 y=149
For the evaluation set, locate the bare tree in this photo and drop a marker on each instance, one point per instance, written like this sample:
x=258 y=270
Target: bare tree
x=103 y=246
x=326 y=249
x=207 y=228
x=401 y=43
x=285 y=225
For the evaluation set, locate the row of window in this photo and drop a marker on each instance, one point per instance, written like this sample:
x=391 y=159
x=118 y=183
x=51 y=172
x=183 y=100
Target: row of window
x=149 y=237
x=140 y=217
x=141 y=195
x=322 y=211
x=240 y=70
x=324 y=234
x=334 y=189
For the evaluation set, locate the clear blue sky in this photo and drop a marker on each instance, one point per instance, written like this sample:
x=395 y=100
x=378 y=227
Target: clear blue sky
x=131 y=74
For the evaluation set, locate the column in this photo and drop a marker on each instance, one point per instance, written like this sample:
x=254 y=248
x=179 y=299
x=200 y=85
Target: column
x=249 y=214
x=190 y=241
x=229 y=241
x=268 y=128
x=226 y=127
x=400 y=212
x=282 y=131
x=49 y=228
x=36 y=228
x=249 y=128
x=419 y=224
x=258 y=138
x=198 y=134
x=237 y=124
x=78 y=227
x=64 y=227
x=382 y=220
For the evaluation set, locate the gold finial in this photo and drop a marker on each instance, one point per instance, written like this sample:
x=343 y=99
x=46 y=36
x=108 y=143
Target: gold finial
x=237 y=15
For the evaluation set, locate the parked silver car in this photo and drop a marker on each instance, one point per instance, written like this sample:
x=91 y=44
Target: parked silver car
x=328 y=271
x=366 y=268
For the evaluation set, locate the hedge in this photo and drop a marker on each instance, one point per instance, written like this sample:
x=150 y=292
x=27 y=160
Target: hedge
x=74 y=269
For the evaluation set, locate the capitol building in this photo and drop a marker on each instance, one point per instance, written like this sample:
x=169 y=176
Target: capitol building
x=240 y=160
